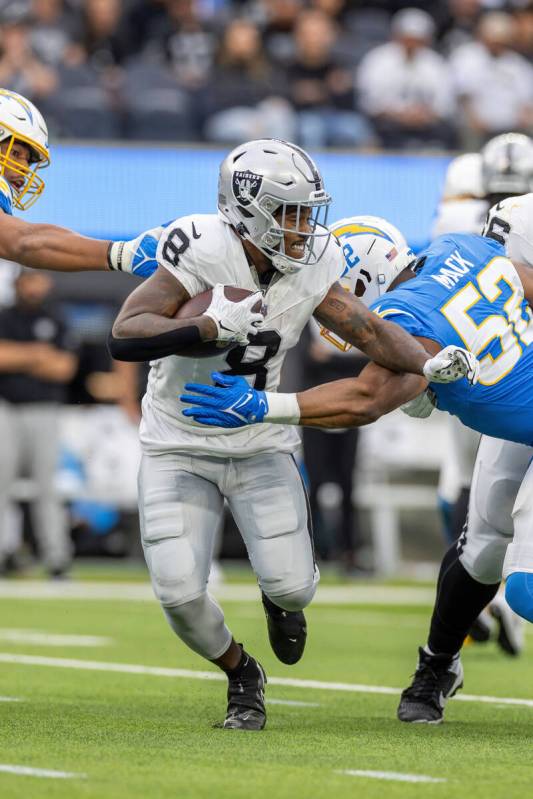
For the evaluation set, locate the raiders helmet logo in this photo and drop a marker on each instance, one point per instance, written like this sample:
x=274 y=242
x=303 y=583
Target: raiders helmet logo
x=246 y=186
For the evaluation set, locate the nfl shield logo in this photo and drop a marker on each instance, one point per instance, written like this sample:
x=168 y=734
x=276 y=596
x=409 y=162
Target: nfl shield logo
x=246 y=186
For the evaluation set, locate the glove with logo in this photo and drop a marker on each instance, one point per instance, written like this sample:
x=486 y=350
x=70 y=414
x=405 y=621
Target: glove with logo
x=230 y=403
x=235 y=321
x=136 y=256
x=451 y=364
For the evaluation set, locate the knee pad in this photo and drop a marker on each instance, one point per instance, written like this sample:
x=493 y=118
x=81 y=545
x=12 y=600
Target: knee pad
x=296 y=600
x=200 y=624
x=519 y=594
x=483 y=560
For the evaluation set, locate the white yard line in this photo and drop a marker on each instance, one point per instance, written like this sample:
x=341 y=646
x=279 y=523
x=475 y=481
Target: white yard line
x=41 y=638
x=26 y=771
x=10 y=699
x=142 y=592
x=290 y=702
x=390 y=775
x=190 y=674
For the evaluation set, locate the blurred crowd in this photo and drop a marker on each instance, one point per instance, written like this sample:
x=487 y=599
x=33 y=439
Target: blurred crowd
x=439 y=74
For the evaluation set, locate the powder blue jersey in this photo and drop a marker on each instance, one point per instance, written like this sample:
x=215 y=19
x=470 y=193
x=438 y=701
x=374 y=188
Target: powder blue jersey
x=467 y=292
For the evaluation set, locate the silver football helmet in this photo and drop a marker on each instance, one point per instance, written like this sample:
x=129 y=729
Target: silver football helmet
x=260 y=183
x=507 y=164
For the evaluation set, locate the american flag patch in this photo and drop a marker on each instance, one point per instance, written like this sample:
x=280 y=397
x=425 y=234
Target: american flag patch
x=391 y=255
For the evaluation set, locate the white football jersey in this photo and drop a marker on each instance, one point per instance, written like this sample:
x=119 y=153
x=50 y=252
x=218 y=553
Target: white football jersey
x=200 y=251
x=511 y=223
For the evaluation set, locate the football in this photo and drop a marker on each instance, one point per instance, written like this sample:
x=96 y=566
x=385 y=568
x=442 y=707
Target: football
x=196 y=307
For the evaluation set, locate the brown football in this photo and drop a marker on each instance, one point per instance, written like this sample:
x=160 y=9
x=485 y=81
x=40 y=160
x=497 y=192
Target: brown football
x=196 y=307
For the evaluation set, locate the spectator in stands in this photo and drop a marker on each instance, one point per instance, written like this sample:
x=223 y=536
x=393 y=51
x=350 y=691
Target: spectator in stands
x=320 y=89
x=244 y=97
x=405 y=86
x=524 y=31
x=460 y=27
x=103 y=33
x=187 y=43
x=20 y=69
x=53 y=30
x=494 y=83
x=36 y=362
x=280 y=17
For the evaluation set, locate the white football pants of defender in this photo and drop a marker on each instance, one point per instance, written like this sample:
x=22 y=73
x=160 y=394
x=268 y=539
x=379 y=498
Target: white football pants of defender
x=500 y=512
x=181 y=502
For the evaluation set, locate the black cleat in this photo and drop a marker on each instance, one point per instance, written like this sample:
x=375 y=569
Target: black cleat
x=510 y=627
x=480 y=630
x=246 y=699
x=436 y=679
x=287 y=631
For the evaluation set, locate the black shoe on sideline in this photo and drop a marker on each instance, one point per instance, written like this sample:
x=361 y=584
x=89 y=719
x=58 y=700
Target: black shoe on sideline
x=436 y=679
x=287 y=631
x=246 y=698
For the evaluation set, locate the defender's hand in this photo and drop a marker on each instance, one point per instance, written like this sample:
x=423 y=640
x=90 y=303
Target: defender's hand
x=138 y=255
x=235 y=321
x=231 y=403
x=451 y=364
x=421 y=406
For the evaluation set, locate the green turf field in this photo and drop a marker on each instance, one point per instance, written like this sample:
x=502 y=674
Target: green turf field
x=150 y=735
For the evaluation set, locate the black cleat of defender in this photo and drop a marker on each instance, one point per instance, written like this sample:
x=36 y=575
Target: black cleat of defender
x=287 y=631
x=246 y=697
x=436 y=679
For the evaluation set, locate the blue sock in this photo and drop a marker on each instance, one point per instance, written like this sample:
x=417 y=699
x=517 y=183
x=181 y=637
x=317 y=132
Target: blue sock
x=519 y=594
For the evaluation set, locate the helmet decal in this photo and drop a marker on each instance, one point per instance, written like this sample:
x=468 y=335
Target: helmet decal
x=246 y=186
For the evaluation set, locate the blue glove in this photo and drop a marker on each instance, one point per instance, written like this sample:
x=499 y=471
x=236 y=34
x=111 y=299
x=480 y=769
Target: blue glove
x=230 y=403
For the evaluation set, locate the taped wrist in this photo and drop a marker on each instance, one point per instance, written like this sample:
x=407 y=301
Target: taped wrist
x=153 y=347
x=114 y=255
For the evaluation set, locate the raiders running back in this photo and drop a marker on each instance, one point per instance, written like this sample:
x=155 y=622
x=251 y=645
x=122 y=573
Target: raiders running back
x=201 y=251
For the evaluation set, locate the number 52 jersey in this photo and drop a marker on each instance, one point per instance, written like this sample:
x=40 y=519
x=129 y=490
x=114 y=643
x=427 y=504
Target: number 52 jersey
x=201 y=251
x=467 y=292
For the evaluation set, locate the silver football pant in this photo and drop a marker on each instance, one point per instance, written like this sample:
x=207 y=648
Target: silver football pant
x=500 y=513
x=30 y=441
x=181 y=506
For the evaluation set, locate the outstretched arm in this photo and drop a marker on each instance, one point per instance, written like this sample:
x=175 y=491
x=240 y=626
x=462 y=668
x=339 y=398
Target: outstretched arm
x=384 y=342
x=343 y=403
x=355 y=402
x=50 y=247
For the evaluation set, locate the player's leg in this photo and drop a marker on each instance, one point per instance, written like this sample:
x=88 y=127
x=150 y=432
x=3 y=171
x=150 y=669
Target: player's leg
x=180 y=506
x=269 y=504
x=50 y=520
x=518 y=565
x=469 y=578
x=9 y=467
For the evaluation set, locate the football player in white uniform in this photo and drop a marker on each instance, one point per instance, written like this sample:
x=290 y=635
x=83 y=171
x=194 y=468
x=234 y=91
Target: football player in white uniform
x=269 y=236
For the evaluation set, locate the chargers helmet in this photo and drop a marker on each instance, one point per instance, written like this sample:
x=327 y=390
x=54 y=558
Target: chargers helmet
x=507 y=165
x=260 y=182
x=375 y=252
x=21 y=121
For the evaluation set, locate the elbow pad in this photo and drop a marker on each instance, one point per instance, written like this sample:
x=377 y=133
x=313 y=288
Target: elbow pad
x=154 y=347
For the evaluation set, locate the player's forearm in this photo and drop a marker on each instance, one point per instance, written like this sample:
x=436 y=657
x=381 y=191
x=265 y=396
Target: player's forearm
x=384 y=342
x=342 y=403
x=390 y=346
x=147 y=336
x=58 y=249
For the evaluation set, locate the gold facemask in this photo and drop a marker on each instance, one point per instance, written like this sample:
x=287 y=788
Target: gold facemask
x=33 y=185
